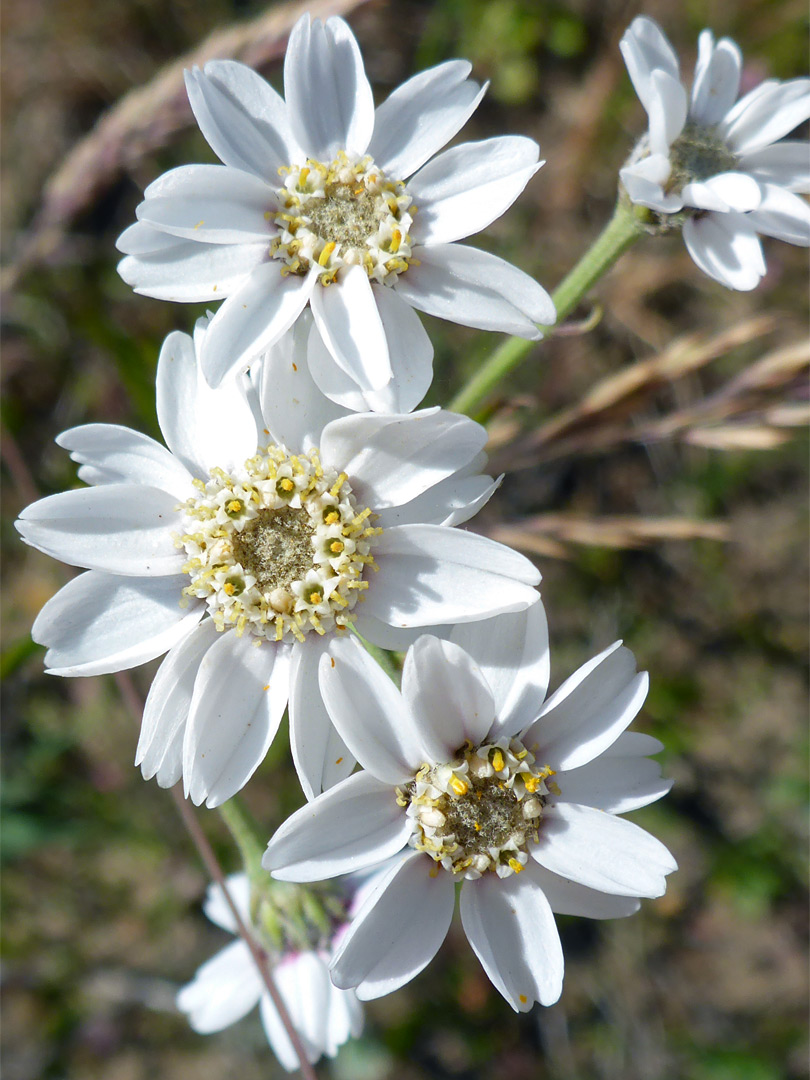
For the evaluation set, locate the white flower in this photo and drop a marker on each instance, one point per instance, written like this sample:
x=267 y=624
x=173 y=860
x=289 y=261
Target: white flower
x=229 y=985
x=272 y=523
x=488 y=786
x=717 y=164
x=316 y=201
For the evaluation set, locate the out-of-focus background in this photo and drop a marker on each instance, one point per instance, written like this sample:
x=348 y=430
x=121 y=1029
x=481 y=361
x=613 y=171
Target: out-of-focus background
x=669 y=510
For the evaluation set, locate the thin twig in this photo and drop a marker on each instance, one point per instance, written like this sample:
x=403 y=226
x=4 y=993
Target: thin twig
x=133 y=702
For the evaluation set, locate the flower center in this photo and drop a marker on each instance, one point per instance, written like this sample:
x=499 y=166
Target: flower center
x=478 y=812
x=279 y=548
x=698 y=154
x=345 y=213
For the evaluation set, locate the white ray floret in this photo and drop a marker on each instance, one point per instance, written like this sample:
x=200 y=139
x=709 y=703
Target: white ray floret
x=322 y=200
x=474 y=779
x=275 y=525
x=715 y=165
x=228 y=986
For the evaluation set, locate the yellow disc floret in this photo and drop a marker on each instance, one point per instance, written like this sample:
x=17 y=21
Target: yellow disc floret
x=478 y=812
x=340 y=214
x=278 y=547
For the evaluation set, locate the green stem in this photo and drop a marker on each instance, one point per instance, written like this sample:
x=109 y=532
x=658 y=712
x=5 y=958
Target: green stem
x=245 y=832
x=623 y=229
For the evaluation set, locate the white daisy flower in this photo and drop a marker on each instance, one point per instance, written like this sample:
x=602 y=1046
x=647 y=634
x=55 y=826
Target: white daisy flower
x=714 y=166
x=228 y=986
x=316 y=202
x=478 y=782
x=273 y=526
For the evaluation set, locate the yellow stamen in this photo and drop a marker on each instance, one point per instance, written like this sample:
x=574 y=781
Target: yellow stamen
x=459 y=786
x=326 y=254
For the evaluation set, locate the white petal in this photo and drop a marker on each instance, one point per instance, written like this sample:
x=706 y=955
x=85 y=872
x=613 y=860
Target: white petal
x=450 y=502
x=203 y=427
x=302 y=979
x=99 y=623
x=252 y=319
x=304 y=984
x=111 y=454
x=472 y=287
x=389 y=637
x=667 y=110
x=421 y=115
x=348 y=320
x=345 y=1018
x=634 y=744
x=617 y=784
x=240 y=695
x=429 y=574
x=766 y=114
x=467 y=187
x=602 y=851
x=320 y=756
x=786 y=164
x=224 y=990
x=188 y=271
x=393 y=459
x=783 y=215
x=448 y=696
x=511 y=929
x=142 y=239
x=243 y=119
x=726 y=191
x=295 y=411
x=725 y=246
x=643 y=182
x=209 y=203
x=512 y=652
x=397 y=931
x=160 y=747
x=217 y=908
x=570 y=898
x=590 y=710
x=370 y=714
x=329 y=100
x=350 y=827
x=410 y=354
x=717 y=79
x=118 y=528
x=645 y=49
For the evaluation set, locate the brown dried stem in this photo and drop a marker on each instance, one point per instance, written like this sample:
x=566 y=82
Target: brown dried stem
x=133 y=702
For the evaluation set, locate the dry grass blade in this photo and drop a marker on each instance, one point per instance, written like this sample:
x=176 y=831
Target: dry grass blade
x=146 y=119
x=553 y=534
x=609 y=415
x=613 y=396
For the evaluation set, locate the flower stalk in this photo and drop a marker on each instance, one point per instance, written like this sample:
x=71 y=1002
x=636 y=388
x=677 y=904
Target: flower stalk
x=620 y=233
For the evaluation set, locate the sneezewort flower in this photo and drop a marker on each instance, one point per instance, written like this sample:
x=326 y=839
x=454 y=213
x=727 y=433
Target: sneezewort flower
x=228 y=986
x=713 y=164
x=477 y=781
x=323 y=200
x=274 y=526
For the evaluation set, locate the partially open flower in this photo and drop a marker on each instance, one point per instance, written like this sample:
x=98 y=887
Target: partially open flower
x=228 y=986
x=476 y=781
x=713 y=164
x=322 y=200
x=273 y=526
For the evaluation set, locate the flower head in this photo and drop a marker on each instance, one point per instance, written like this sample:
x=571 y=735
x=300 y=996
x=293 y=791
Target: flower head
x=712 y=163
x=323 y=200
x=228 y=986
x=474 y=779
x=274 y=526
